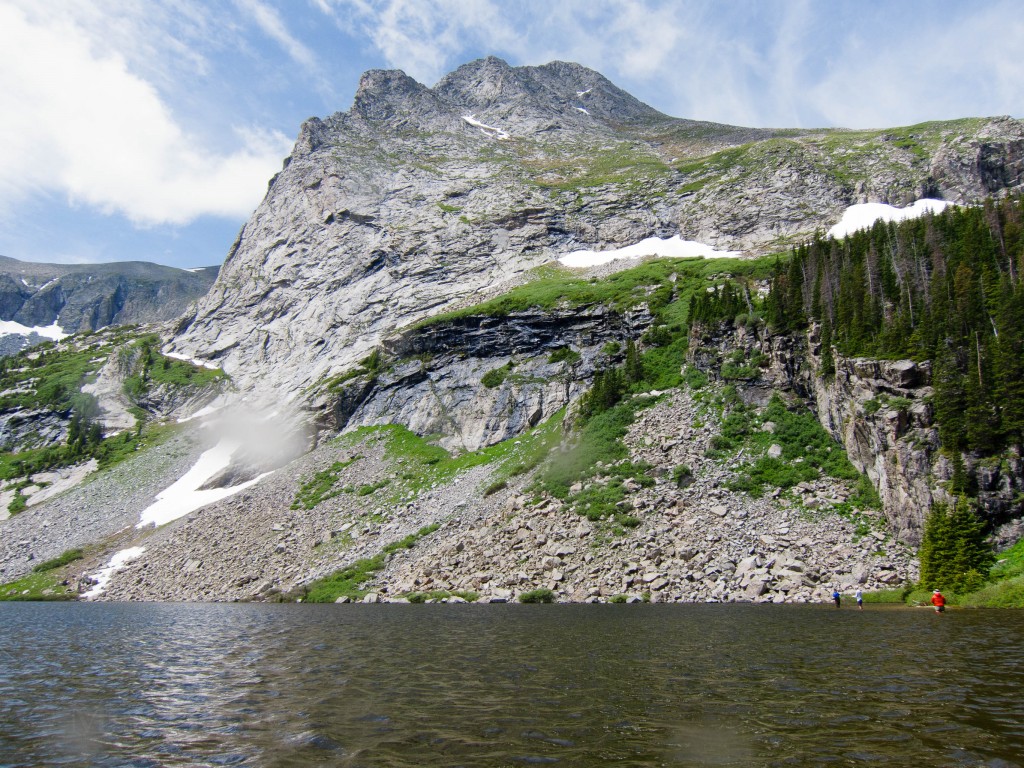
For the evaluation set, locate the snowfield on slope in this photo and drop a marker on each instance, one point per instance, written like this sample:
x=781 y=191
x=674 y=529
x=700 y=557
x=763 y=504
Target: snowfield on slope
x=117 y=562
x=864 y=215
x=185 y=496
x=193 y=360
x=673 y=246
x=54 y=332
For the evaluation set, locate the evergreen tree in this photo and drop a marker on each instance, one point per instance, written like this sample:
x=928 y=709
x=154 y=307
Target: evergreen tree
x=946 y=288
x=828 y=362
x=954 y=554
x=607 y=389
x=634 y=369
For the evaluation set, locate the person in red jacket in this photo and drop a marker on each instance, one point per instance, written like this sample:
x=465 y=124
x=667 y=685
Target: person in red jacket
x=938 y=601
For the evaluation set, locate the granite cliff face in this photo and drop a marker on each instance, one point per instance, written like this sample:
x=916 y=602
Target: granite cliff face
x=418 y=198
x=881 y=412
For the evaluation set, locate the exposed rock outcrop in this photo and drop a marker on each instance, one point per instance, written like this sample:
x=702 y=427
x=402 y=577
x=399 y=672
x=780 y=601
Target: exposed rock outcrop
x=880 y=411
x=435 y=380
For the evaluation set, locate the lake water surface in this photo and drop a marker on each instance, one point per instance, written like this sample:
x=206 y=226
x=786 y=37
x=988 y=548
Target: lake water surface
x=508 y=685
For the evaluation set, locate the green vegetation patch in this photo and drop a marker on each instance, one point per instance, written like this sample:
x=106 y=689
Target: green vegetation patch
x=496 y=377
x=370 y=488
x=420 y=465
x=349 y=581
x=743 y=364
x=43 y=585
x=808 y=451
x=322 y=485
x=598 y=451
x=564 y=355
x=60 y=561
x=437 y=595
x=47 y=378
x=153 y=369
x=887 y=595
x=1007 y=593
x=656 y=283
x=108 y=452
x=542 y=595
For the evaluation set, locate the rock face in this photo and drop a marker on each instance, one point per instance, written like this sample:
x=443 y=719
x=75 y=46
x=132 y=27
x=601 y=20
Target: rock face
x=881 y=412
x=86 y=297
x=417 y=199
x=440 y=384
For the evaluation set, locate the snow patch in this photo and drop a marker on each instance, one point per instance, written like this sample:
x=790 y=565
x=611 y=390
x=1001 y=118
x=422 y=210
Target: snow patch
x=201 y=413
x=117 y=562
x=864 y=215
x=184 y=496
x=488 y=130
x=54 y=332
x=581 y=109
x=193 y=360
x=653 y=246
x=581 y=94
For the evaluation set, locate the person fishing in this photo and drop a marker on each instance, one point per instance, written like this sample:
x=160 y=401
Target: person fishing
x=836 y=597
x=938 y=601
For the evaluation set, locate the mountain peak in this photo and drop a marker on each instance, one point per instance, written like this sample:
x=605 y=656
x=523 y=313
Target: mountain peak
x=557 y=93
x=386 y=93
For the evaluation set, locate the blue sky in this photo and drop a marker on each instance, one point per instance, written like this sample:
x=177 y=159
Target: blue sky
x=146 y=129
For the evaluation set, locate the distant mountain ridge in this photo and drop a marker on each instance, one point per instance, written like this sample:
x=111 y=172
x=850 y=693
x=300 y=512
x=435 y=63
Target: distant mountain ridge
x=86 y=297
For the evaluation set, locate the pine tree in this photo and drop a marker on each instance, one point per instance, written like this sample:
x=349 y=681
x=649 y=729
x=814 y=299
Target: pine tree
x=954 y=554
x=947 y=288
x=634 y=368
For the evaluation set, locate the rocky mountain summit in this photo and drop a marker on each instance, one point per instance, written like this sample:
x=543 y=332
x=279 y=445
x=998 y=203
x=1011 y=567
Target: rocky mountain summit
x=417 y=199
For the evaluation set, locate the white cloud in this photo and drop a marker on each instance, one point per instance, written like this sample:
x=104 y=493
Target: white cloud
x=273 y=26
x=79 y=122
x=426 y=38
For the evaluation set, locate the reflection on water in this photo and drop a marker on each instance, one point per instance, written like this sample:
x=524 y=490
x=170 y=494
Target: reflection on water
x=586 y=685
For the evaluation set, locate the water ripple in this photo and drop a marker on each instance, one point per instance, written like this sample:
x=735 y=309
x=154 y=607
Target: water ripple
x=212 y=685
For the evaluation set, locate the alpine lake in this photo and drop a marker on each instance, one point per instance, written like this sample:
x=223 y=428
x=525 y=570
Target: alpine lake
x=124 y=684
